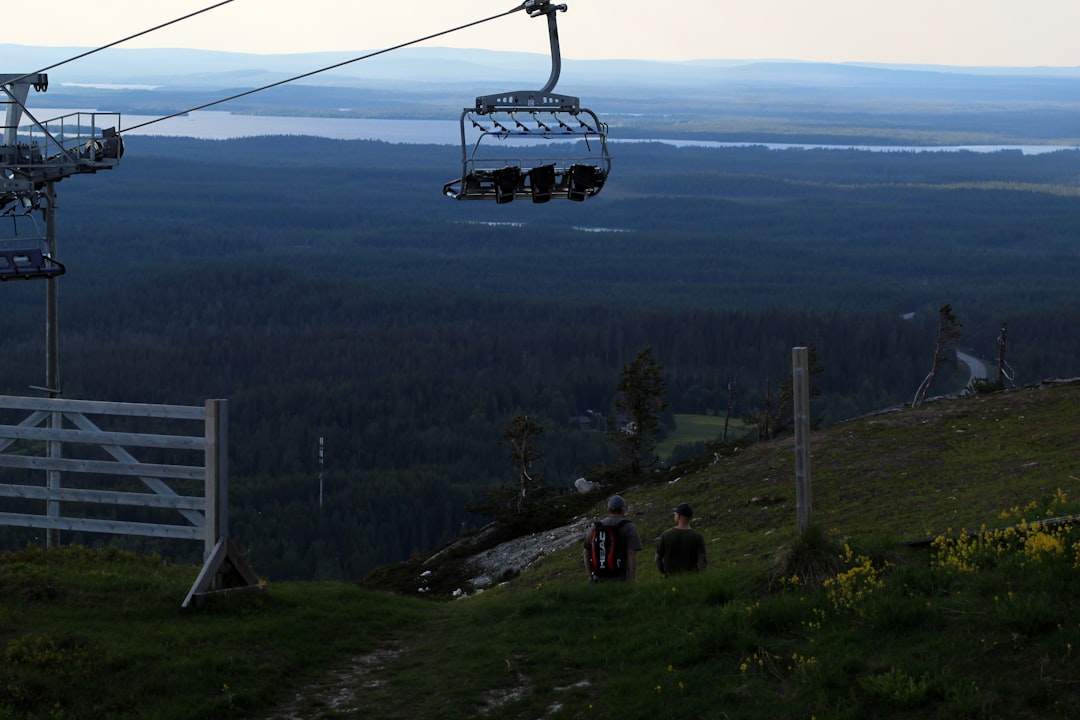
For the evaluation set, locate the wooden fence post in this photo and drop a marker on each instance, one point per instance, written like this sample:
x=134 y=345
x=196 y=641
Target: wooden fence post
x=801 y=391
x=224 y=568
x=217 y=474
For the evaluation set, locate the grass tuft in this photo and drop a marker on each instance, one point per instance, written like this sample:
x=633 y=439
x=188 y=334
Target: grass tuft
x=813 y=559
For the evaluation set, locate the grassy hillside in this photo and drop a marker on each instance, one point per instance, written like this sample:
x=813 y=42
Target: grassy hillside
x=845 y=622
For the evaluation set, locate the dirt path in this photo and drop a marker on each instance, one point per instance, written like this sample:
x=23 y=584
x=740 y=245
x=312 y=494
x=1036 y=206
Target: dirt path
x=337 y=694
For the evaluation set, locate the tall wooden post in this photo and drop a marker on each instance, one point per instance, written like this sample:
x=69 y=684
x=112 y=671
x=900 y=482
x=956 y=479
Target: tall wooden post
x=801 y=390
x=224 y=568
x=217 y=474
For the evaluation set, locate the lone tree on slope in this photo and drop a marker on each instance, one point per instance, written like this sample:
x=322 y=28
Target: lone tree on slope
x=635 y=429
x=521 y=434
x=947 y=334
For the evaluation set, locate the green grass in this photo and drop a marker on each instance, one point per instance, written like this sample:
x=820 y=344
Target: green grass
x=842 y=622
x=101 y=634
x=691 y=429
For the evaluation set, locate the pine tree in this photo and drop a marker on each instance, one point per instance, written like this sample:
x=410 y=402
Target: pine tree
x=635 y=429
x=521 y=433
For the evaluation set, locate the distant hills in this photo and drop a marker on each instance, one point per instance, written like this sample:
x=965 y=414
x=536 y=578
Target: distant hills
x=411 y=69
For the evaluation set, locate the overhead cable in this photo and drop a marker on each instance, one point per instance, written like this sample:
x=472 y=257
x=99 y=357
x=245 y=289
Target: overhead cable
x=123 y=40
x=325 y=69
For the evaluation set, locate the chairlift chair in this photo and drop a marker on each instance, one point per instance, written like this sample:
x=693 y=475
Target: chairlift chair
x=28 y=263
x=22 y=253
x=531 y=144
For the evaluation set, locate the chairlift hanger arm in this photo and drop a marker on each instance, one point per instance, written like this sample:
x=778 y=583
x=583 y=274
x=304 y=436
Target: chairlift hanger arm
x=544 y=97
x=536 y=8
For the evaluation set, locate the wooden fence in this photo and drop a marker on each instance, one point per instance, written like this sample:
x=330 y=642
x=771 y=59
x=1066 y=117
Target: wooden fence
x=72 y=464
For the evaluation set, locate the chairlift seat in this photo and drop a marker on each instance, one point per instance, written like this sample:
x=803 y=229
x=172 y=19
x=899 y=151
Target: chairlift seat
x=530 y=152
x=539 y=184
x=27 y=264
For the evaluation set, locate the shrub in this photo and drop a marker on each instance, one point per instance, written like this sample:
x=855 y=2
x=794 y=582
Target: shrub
x=813 y=559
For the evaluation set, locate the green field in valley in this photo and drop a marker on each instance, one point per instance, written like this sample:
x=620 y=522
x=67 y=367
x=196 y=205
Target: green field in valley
x=691 y=429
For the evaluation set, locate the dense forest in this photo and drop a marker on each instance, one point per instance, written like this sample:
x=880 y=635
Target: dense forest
x=328 y=290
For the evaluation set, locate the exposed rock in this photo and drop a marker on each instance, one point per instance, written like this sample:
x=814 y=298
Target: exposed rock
x=520 y=554
x=584 y=486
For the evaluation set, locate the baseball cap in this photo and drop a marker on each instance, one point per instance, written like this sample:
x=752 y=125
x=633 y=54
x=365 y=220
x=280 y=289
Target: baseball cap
x=615 y=503
x=684 y=510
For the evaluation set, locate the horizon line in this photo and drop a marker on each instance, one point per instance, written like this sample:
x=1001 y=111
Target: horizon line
x=652 y=61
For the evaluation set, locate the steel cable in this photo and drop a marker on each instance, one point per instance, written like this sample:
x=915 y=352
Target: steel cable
x=325 y=69
x=122 y=40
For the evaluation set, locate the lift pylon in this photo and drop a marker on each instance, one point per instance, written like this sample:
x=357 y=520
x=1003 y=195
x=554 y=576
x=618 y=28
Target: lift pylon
x=531 y=143
x=33 y=158
x=36 y=154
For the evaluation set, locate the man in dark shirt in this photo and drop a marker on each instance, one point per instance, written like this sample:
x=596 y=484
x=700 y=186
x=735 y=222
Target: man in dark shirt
x=680 y=549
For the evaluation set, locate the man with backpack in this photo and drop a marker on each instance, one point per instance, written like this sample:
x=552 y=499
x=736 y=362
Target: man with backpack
x=612 y=545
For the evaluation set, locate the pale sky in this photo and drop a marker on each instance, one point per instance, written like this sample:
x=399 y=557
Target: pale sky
x=947 y=32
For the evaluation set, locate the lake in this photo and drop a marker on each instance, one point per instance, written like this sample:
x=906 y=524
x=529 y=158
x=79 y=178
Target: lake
x=222 y=125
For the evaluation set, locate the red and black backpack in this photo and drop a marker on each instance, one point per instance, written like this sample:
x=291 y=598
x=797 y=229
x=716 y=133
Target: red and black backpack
x=607 y=553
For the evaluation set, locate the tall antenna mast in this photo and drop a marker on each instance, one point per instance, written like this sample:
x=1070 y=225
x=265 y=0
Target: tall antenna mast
x=321 y=448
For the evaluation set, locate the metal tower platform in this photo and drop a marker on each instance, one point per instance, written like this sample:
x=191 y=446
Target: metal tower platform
x=35 y=155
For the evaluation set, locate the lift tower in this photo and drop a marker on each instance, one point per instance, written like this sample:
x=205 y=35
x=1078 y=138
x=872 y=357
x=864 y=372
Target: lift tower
x=33 y=158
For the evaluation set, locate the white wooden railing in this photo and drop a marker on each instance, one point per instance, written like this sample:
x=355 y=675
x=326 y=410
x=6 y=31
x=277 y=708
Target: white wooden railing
x=68 y=458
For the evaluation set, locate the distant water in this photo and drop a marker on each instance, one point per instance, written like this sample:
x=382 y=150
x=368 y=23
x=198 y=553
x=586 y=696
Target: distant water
x=221 y=125
x=1025 y=149
x=216 y=125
